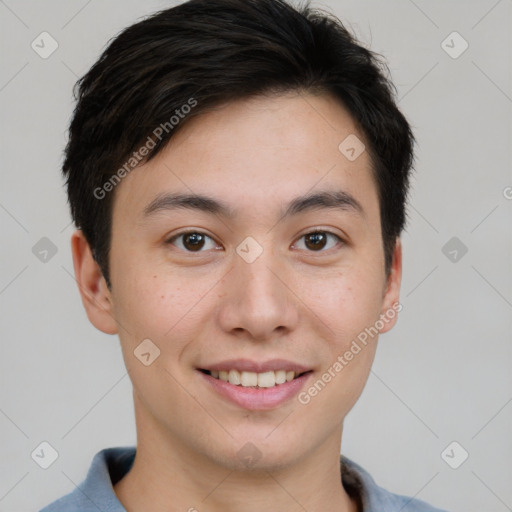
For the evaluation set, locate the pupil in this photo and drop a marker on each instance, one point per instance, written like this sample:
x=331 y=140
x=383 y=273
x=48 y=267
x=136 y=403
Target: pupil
x=318 y=240
x=194 y=241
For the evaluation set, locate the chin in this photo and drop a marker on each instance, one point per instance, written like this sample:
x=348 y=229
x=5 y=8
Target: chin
x=255 y=453
x=252 y=461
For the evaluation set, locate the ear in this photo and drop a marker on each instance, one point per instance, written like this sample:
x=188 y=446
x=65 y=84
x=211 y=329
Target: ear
x=95 y=294
x=390 y=303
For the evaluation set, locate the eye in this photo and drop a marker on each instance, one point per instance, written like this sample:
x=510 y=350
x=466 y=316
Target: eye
x=192 y=241
x=318 y=241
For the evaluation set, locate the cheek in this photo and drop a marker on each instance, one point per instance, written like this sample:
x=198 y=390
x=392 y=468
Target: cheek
x=350 y=345
x=331 y=396
x=348 y=307
x=170 y=310
x=150 y=306
x=346 y=303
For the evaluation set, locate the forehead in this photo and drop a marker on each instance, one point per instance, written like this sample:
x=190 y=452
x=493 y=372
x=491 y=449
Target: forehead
x=256 y=152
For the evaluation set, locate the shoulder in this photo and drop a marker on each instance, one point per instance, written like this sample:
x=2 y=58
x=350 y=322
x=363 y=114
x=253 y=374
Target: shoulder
x=96 y=491
x=373 y=497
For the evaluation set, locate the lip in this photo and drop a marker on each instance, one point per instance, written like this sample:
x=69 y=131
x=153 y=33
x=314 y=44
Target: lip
x=246 y=365
x=256 y=399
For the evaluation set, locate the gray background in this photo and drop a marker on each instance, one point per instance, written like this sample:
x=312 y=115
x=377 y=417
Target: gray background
x=441 y=375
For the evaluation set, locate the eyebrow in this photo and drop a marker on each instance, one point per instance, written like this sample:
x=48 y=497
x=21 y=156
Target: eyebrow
x=337 y=200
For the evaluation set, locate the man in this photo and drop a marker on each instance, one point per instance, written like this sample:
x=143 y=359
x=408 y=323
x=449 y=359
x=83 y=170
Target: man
x=238 y=172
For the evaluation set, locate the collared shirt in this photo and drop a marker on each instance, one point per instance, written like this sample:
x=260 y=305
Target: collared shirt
x=96 y=492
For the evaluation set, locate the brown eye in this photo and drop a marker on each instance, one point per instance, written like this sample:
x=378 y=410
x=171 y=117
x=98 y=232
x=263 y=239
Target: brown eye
x=315 y=241
x=318 y=240
x=192 y=241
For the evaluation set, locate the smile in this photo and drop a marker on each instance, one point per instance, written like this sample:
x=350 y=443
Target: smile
x=248 y=379
x=257 y=386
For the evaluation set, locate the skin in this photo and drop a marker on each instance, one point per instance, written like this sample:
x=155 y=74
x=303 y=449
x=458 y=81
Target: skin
x=293 y=302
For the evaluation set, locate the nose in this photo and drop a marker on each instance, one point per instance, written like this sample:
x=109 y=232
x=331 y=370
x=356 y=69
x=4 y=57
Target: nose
x=258 y=300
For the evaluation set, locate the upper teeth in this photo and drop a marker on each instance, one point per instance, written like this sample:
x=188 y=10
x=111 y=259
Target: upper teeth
x=248 y=379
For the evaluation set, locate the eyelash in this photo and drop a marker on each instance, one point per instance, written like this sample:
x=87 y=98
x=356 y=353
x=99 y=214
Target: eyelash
x=328 y=233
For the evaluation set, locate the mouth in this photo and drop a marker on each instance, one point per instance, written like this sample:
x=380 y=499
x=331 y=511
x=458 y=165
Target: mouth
x=256 y=386
x=246 y=379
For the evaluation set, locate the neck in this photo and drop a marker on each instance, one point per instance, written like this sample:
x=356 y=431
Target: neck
x=167 y=475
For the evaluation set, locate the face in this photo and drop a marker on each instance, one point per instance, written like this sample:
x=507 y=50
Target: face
x=279 y=267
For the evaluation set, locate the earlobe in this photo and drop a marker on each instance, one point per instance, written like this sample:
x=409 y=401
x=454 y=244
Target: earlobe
x=390 y=303
x=94 y=292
